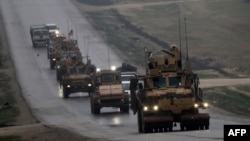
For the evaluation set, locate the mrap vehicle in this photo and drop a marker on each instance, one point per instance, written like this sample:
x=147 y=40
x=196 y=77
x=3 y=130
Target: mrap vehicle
x=169 y=95
x=109 y=92
x=77 y=78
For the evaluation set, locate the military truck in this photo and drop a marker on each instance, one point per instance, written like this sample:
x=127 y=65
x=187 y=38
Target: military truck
x=61 y=46
x=77 y=78
x=54 y=45
x=168 y=95
x=70 y=58
x=109 y=92
x=39 y=35
x=65 y=59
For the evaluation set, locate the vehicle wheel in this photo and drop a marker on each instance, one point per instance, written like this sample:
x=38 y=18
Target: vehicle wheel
x=57 y=76
x=182 y=127
x=52 y=66
x=48 y=52
x=139 y=121
x=34 y=44
x=96 y=108
x=91 y=106
x=125 y=109
x=65 y=93
x=206 y=126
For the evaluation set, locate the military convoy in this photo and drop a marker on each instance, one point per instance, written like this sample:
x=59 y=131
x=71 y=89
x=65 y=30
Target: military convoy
x=168 y=96
x=109 y=92
x=73 y=74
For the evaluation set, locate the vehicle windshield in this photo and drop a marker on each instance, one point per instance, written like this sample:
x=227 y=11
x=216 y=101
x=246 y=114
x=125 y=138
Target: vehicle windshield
x=126 y=77
x=126 y=86
x=51 y=27
x=68 y=55
x=159 y=82
x=174 y=81
x=107 y=77
x=81 y=70
x=41 y=32
x=73 y=71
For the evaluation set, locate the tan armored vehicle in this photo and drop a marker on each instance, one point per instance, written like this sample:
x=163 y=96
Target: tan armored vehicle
x=77 y=78
x=168 y=95
x=60 y=46
x=67 y=58
x=109 y=92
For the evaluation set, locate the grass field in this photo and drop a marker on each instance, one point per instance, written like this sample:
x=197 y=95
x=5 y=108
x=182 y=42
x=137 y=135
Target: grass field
x=234 y=100
x=217 y=31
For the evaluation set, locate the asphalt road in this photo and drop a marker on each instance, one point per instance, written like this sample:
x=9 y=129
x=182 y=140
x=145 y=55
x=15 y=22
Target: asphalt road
x=41 y=90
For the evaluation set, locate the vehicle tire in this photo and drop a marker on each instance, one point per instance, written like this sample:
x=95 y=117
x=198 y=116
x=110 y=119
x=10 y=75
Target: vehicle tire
x=52 y=65
x=48 y=52
x=65 y=93
x=125 y=108
x=139 y=121
x=57 y=76
x=91 y=106
x=34 y=45
x=96 y=109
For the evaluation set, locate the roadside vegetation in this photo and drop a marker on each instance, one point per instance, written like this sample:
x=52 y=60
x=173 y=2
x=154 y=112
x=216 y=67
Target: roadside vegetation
x=8 y=111
x=217 y=33
x=11 y=138
x=232 y=99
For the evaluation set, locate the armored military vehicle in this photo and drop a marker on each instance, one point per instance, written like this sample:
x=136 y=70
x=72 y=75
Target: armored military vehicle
x=65 y=59
x=39 y=35
x=109 y=92
x=168 y=95
x=62 y=47
x=77 y=78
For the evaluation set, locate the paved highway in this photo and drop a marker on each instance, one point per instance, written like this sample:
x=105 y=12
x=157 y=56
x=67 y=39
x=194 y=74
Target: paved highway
x=41 y=90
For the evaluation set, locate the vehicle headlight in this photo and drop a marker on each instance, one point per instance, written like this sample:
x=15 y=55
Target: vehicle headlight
x=58 y=67
x=196 y=105
x=156 y=108
x=54 y=59
x=145 y=108
x=57 y=32
x=205 y=105
x=89 y=85
x=113 y=68
x=68 y=86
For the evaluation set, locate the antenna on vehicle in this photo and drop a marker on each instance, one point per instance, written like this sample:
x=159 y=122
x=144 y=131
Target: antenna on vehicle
x=188 y=68
x=109 y=58
x=180 y=38
x=186 y=36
